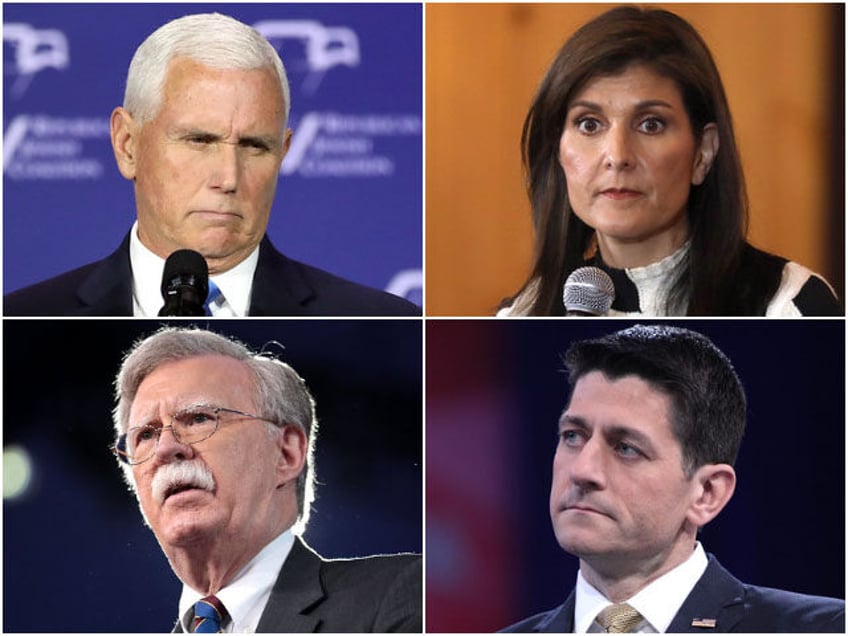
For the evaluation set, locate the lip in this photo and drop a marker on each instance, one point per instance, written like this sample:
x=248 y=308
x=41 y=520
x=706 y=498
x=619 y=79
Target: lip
x=583 y=509
x=620 y=194
x=184 y=493
x=216 y=213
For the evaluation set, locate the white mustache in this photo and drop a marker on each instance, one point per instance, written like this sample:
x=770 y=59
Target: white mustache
x=181 y=474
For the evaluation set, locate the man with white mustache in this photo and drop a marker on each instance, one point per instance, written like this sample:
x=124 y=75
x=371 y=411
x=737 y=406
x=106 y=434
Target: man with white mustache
x=217 y=443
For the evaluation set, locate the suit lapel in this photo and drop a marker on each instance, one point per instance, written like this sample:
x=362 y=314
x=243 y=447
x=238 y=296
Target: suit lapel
x=298 y=588
x=279 y=288
x=107 y=291
x=715 y=604
x=560 y=620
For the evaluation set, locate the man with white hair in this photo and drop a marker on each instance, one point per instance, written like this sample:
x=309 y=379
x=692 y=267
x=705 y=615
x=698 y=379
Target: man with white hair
x=216 y=442
x=202 y=134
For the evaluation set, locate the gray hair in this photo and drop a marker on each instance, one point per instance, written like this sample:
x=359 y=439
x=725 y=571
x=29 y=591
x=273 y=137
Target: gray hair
x=280 y=394
x=213 y=39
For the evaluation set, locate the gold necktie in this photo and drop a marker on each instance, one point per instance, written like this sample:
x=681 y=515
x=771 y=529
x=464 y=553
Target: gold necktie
x=619 y=619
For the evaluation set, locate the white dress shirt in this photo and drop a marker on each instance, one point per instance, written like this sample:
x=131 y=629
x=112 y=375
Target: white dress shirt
x=147 y=268
x=658 y=602
x=246 y=596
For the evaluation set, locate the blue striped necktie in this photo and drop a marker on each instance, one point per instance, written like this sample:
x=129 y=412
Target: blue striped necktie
x=209 y=615
x=211 y=297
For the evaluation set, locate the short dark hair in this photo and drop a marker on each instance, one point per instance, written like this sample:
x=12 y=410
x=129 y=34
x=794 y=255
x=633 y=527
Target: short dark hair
x=707 y=398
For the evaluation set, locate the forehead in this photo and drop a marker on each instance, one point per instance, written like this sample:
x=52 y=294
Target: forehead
x=629 y=402
x=634 y=83
x=215 y=379
x=193 y=87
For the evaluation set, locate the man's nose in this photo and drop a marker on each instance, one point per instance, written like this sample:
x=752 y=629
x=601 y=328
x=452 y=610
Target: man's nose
x=169 y=448
x=588 y=467
x=226 y=167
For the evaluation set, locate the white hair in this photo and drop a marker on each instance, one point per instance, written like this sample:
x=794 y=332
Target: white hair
x=280 y=393
x=213 y=39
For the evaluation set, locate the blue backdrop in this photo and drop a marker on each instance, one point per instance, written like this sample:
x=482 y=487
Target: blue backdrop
x=350 y=191
x=76 y=555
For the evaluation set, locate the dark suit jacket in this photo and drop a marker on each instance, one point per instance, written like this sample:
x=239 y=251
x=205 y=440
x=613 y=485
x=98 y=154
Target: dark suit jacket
x=281 y=287
x=735 y=606
x=372 y=594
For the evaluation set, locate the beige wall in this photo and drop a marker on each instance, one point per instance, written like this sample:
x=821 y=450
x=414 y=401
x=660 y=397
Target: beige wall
x=483 y=63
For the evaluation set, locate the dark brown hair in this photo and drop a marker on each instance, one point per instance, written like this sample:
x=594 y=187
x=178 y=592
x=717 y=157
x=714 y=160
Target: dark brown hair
x=707 y=398
x=717 y=210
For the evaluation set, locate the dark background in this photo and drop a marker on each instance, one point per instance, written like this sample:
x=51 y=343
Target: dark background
x=76 y=555
x=495 y=390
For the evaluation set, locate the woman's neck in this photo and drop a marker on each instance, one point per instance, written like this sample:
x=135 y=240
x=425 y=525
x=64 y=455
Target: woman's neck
x=623 y=254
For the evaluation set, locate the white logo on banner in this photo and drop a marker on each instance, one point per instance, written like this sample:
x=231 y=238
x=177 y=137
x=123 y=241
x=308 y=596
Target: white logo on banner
x=409 y=284
x=34 y=51
x=325 y=47
x=49 y=148
x=337 y=145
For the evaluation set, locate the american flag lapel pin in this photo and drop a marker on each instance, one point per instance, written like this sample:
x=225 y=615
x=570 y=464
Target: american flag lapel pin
x=709 y=623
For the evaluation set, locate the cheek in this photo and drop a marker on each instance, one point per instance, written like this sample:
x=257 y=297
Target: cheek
x=672 y=171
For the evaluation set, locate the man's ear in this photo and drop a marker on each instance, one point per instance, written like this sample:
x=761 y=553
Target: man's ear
x=705 y=154
x=293 y=447
x=124 y=133
x=714 y=485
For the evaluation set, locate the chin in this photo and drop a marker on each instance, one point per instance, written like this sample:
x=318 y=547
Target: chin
x=185 y=526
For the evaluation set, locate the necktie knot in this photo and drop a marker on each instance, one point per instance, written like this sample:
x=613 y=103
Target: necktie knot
x=209 y=615
x=619 y=619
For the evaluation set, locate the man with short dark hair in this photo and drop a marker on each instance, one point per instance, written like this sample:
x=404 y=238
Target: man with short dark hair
x=216 y=443
x=645 y=459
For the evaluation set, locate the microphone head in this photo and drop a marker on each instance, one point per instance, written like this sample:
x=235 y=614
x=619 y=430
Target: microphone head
x=588 y=291
x=185 y=284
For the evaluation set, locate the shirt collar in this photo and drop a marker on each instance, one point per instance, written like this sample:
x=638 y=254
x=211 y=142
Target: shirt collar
x=235 y=284
x=658 y=602
x=246 y=595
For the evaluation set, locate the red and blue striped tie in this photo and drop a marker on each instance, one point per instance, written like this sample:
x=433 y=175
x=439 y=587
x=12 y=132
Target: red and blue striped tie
x=209 y=615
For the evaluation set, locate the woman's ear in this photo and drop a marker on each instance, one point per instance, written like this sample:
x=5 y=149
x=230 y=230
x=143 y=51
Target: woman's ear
x=705 y=154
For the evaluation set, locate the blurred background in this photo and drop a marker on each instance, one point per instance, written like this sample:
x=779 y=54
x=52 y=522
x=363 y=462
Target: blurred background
x=783 y=70
x=76 y=555
x=350 y=190
x=495 y=390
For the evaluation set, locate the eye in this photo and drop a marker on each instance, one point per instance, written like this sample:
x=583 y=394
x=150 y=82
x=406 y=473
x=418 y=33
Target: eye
x=199 y=140
x=195 y=417
x=652 y=125
x=142 y=434
x=572 y=438
x=587 y=125
x=256 y=146
x=627 y=451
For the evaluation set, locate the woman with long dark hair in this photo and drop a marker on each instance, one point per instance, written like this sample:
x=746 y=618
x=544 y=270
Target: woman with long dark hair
x=632 y=167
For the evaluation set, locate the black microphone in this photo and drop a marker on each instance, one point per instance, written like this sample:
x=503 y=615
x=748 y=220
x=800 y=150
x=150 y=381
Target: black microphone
x=588 y=291
x=185 y=284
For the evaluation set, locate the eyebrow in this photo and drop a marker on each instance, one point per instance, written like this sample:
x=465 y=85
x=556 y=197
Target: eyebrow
x=614 y=431
x=643 y=105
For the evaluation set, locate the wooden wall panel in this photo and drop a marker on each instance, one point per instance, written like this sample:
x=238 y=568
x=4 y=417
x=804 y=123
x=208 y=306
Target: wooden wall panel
x=483 y=63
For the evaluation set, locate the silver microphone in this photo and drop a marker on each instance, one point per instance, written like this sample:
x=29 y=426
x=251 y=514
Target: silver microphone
x=588 y=291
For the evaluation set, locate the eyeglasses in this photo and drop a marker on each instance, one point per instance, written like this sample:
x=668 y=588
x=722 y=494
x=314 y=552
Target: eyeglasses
x=189 y=426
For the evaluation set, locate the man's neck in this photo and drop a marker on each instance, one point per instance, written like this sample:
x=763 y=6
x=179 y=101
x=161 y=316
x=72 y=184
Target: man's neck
x=621 y=578
x=207 y=566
